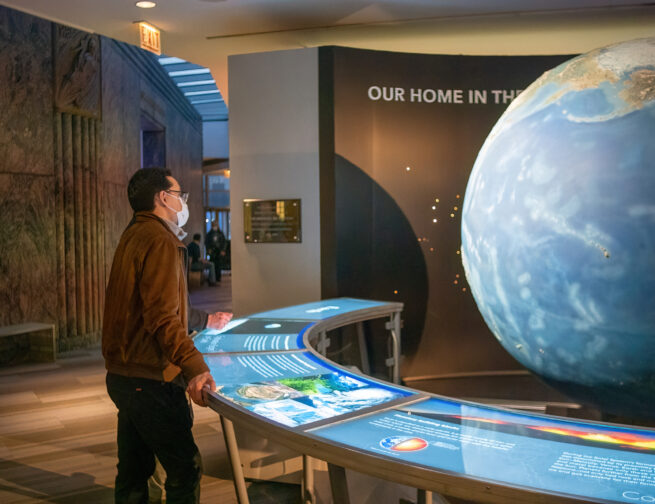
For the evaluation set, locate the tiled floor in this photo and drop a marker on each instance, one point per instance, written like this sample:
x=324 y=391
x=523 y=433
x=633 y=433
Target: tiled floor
x=58 y=429
x=212 y=299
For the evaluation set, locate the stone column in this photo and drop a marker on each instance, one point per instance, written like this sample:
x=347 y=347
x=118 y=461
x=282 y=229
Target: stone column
x=79 y=222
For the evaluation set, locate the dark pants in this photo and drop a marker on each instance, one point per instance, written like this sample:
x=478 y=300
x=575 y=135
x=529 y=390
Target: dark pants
x=217 y=259
x=209 y=266
x=154 y=418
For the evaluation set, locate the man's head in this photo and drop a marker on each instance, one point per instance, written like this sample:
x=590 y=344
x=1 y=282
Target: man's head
x=155 y=190
x=215 y=225
x=196 y=237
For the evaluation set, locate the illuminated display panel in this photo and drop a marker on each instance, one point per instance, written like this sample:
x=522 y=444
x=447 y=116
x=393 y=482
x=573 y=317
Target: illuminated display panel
x=263 y=325
x=604 y=463
x=254 y=335
x=294 y=388
x=320 y=310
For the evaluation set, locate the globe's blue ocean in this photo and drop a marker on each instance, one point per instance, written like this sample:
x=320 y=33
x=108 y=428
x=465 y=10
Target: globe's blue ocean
x=558 y=228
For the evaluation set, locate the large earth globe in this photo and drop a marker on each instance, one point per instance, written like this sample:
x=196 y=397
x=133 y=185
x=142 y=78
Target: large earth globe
x=558 y=228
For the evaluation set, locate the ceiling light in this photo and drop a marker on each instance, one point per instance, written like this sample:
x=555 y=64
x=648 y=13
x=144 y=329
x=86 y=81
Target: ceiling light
x=195 y=71
x=146 y=5
x=195 y=93
x=201 y=102
x=171 y=61
x=196 y=83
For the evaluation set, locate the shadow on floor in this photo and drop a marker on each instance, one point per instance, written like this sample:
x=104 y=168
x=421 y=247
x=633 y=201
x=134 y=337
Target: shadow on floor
x=268 y=492
x=47 y=486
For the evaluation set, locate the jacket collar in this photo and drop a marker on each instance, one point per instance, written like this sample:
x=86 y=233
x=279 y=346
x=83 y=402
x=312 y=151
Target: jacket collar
x=146 y=216
x=177 y=230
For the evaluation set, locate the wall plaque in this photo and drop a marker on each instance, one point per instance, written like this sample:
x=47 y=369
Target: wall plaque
x=272 y=221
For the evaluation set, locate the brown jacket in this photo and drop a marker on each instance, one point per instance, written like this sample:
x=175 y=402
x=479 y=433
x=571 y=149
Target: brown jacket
x=144 y=331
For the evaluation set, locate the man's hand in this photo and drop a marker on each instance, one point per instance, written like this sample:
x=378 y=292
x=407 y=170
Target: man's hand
x=196 y=386
x=218 y=320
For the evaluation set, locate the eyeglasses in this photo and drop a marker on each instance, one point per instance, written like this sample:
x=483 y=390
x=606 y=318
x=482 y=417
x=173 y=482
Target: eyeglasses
x=184 y=196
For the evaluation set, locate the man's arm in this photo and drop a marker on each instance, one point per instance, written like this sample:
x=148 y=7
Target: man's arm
x=159 y=286
x=197 y=318
x=196 y=386
x=218 y=320
x=200 y=319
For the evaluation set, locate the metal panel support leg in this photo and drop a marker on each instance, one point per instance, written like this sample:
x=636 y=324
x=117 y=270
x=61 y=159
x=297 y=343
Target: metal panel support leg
x=363 y=348
x=338 y=484
x=396 y=350
x=235 y=460
x=423 y=496
x=323 y=343
x=308 y=494
x=394 y=327
x=427 y=497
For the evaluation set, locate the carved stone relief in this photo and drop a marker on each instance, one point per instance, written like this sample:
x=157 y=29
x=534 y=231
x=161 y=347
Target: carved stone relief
x=77 y=72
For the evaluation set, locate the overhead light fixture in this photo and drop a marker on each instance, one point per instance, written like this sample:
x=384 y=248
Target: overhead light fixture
x=196 y=93
x=196 y=83
x=194 y=71
x=202 y=102
x=171 y=61
x=146 y=5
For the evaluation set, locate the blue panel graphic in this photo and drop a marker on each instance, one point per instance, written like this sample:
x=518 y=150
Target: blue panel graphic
x=245 y=368
x=319 y=310
x=598 y=462
x=213 y=341
x=264 y=326
x=294 y=388
x=208 y=342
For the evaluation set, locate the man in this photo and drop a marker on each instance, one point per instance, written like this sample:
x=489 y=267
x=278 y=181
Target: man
x=215 y=242
x=198 y=262
x=148 y=353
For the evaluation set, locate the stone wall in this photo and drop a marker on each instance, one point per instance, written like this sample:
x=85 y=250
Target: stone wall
x=28 y=258
x=71 y=109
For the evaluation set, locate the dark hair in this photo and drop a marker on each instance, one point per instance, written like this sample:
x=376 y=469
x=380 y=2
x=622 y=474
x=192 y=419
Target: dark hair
x=197 y=236
x=143 y=186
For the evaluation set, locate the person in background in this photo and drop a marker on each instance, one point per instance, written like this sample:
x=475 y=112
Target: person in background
x=149 y=356
x=215 y=243
x=198 y=261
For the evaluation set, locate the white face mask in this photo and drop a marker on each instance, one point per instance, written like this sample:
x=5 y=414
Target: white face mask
x=183 y=214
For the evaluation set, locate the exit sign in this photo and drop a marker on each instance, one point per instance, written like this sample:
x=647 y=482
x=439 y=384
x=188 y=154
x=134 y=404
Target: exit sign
x=150 y=38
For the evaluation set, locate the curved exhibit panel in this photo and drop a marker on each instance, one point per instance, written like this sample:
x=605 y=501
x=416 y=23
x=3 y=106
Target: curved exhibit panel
x=295 y=388
x=253 y=335
x=299 y=398
x=321 y=310
x=550 y=455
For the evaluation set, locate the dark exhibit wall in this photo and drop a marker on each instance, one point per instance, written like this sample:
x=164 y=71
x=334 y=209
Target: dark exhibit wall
x=407 y=130
x=72 y=109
